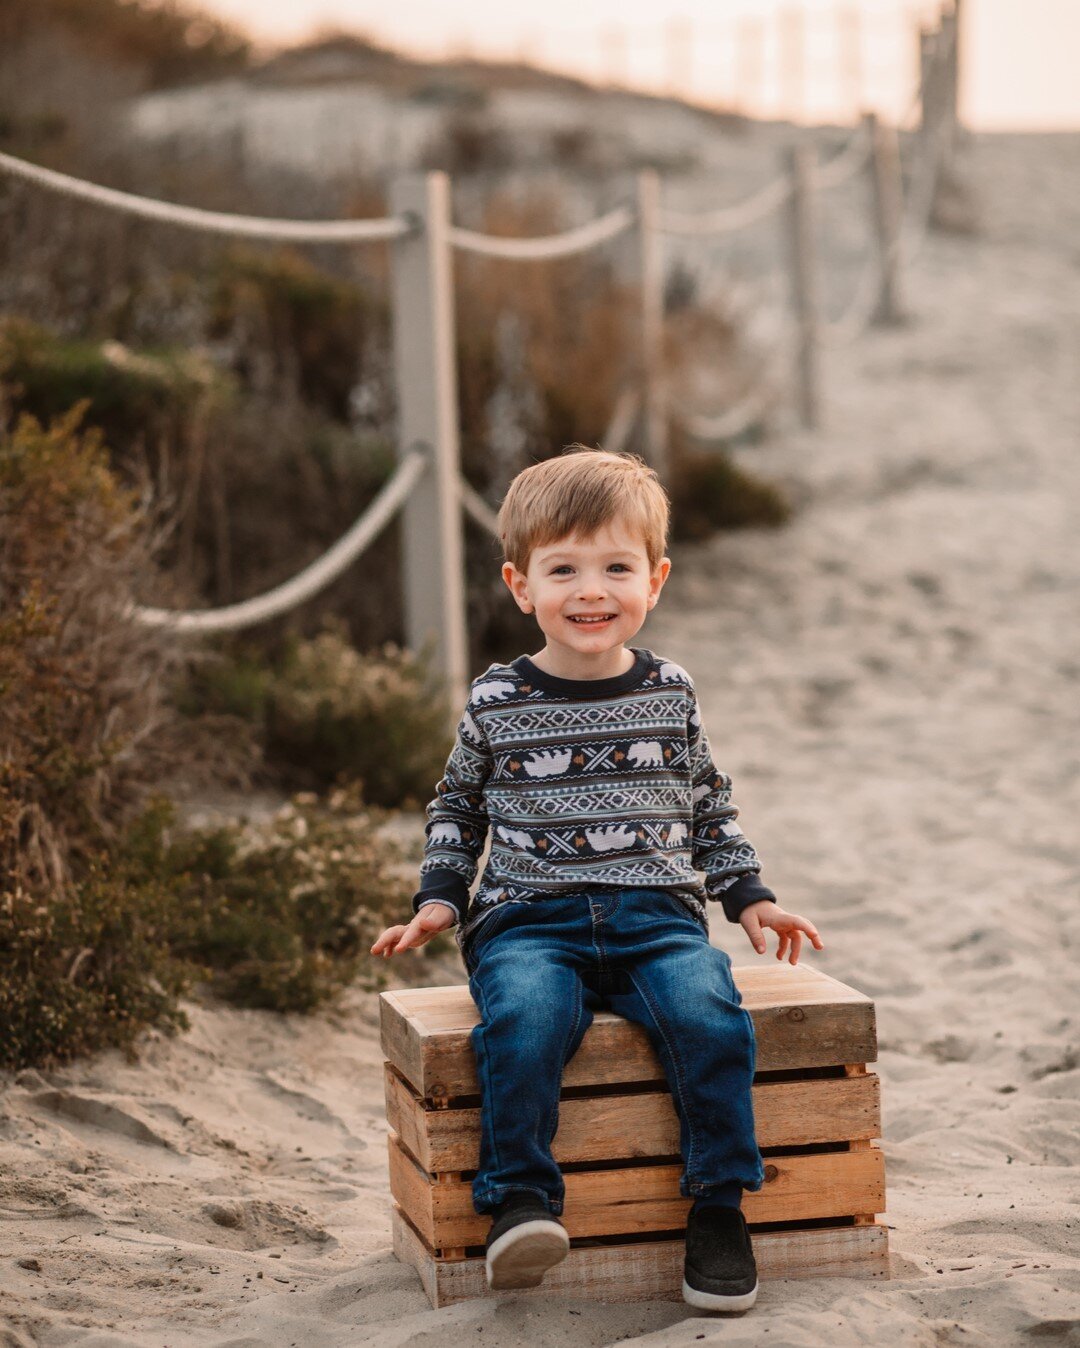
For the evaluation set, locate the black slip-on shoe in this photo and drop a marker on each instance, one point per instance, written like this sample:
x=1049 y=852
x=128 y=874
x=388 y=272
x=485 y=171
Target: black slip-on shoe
x=525 y=1240
x=720 y=1273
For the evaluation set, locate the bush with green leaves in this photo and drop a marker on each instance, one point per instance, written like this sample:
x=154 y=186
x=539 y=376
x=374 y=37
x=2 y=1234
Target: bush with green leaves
x=107 y=913
x=282 y=915
x=278 y=916
x=132 y=398
x=85 y=725
x=710 y=491
x=381 y=719
x=326 y=714
x=88 y=966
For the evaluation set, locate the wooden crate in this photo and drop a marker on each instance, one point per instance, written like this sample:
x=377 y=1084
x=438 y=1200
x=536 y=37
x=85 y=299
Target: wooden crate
x=816 y=1111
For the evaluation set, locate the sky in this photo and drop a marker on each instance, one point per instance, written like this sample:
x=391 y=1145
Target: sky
x=1020 y=57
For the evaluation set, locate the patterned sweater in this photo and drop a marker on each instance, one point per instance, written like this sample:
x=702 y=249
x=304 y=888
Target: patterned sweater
x=601 y=782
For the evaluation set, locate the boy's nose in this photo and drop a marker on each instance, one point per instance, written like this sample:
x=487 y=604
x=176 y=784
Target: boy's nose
x=589 y=591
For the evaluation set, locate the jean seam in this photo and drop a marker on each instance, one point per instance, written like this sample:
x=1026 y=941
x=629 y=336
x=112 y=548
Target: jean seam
x=598 y=945
x=646 y=996
x=487 y=1066
x=487 y=921
x=575 y=1022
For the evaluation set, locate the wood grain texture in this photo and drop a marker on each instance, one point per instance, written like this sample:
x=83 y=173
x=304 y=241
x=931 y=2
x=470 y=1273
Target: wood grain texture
x=634 y=1199
x=802 y=1018
x=651 y=1270
x=624 y=1127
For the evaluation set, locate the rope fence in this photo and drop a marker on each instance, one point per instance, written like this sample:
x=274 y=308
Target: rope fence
x=321 y=573
x=728 y=219
x=545 y=248
x=208 y=222
x=478 y=509
x=427 y=485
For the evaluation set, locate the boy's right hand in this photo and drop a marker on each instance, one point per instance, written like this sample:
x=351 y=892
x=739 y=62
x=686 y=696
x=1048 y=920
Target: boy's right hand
x=428 y=922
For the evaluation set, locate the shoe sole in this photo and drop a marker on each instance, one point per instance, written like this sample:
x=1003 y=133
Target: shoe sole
x=521 y=1256
x=715 y=1301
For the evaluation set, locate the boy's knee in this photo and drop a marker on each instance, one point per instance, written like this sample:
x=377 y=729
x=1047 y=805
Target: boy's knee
x=538 y=1007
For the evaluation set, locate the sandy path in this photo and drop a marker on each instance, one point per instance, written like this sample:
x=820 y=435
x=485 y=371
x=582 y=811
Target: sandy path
x=893 y=683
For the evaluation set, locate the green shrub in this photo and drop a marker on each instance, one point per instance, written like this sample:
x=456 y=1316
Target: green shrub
x=83 y=722
x=378 y=719
x=234 y=681
x=282 y=916
x=279 y=917
x=87 y=967
x=709 y=491
x=132 y=398
x=325 y=714
x=308 y=328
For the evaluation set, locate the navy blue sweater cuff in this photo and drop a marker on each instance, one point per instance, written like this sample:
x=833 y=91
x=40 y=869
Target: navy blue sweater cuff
x=447 y=886
x=746 y=890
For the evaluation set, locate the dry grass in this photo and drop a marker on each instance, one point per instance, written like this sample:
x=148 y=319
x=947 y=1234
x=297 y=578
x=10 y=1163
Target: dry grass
x=86 y=725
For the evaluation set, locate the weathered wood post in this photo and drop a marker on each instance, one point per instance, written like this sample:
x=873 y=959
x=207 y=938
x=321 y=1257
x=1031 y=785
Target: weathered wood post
x=887 y=190
x=651 y=262
x=925 y=41
x=937 y=125
x=805 y=289
x=426 y=380
x=957 y=22
x=948 y=75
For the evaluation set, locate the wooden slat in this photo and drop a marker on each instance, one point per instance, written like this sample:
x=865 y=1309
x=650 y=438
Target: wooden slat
x=622 y=1127
x=802 y=1018
x=399 y=1032
x=634 y=1199
x=652 y=1270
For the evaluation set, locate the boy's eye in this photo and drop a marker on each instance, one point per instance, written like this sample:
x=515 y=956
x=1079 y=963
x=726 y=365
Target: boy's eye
x=565 y=569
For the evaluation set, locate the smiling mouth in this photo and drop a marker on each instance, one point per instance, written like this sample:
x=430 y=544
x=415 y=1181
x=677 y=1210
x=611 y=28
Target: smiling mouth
x=584 y=621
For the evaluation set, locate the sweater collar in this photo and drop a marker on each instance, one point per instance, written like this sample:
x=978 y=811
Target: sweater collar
x=585 y=688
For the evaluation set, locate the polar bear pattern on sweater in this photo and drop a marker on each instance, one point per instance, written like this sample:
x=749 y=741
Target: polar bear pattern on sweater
x=548 y=762
x=646 y=754
x=606 y=784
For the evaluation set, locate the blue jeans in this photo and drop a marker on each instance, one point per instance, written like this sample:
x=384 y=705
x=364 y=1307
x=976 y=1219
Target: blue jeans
x=539 y=970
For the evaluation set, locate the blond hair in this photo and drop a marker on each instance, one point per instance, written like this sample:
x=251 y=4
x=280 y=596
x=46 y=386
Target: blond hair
x=579 y=492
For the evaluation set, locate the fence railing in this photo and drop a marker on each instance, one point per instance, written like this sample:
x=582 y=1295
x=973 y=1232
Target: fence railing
x=427 y=486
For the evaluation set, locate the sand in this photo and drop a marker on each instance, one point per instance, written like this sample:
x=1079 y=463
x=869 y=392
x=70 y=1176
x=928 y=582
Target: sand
x=893 y=683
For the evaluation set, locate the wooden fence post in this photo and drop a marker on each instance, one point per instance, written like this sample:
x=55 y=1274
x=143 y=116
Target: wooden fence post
x=651 y=262
x=888 y=197
x=426 y=380
x=925 y=40
x=804 y=281
x=954 y=64
x=948 y=77
x=937 y=106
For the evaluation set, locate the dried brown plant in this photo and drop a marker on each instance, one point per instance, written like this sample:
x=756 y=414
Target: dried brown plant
x=86 y=723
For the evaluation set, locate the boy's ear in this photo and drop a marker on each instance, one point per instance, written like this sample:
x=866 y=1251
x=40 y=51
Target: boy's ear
x=517 y=584
x=656 y=581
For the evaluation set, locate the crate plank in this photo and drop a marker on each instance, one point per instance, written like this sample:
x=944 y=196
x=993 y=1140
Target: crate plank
x=633 y=1199
x=651 y=1270
x=621 y=1127
x=802 y=1018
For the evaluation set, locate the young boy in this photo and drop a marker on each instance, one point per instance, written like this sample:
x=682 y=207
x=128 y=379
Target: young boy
x=589 y=764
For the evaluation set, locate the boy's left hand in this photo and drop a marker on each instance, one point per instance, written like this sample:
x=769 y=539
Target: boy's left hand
x=788 y=926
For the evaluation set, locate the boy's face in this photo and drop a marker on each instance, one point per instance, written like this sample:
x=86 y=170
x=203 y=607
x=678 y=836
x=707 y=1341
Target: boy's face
x=590 y=595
